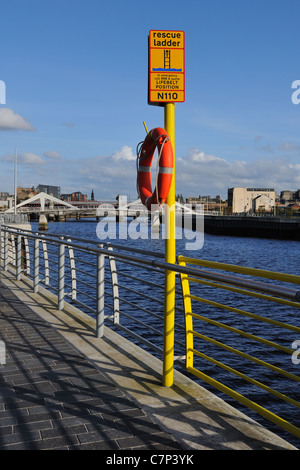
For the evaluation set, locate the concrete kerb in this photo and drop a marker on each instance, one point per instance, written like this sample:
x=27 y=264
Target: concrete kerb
x=194 y=416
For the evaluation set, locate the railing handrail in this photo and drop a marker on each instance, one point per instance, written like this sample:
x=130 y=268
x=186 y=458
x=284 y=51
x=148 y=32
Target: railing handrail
x=289 y=293
x=58 y=237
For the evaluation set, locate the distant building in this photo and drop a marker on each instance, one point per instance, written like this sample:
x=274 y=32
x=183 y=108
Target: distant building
x=51 y=190
x=25 y=193
x=209 y=203
x=202 y=199
x=288 y=196
x=6 y=201
x=76 y=196
x=250 y=200
x=263 y=203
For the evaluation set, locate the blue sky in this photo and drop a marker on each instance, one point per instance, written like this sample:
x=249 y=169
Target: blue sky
x=76 y=94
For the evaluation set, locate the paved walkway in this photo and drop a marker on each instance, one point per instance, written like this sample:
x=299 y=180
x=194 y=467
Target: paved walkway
x=51 y=397
x=63 y=388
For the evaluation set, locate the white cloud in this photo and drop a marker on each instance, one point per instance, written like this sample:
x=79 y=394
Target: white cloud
x=196 y=173
x=10 y=121
x=26 y=158
x=199 y=173
x=52 y=154
x=200 y=156
x=29 y=158
x=124 y=154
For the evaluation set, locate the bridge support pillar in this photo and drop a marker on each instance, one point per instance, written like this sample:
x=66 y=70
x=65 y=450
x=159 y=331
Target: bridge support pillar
x=121 y=208
x=121 y=216
x=43 y=222
x=61 y=217
x=155 y=222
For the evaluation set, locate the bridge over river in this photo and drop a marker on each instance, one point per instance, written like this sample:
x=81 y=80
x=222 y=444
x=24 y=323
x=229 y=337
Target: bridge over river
x=46 y=207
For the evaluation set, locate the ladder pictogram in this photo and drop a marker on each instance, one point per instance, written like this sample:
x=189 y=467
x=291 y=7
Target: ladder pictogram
x=167 y=59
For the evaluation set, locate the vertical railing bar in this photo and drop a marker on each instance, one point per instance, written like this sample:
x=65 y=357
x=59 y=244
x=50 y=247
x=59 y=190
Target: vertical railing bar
x=100 y=294
x=115 y=287
x=189 y=339
x=5 y=250
x=36 y=265
x=13 y=248
x=61 y=276
x=46 y=262
x=18 y=258
x=73 y=270
x=27 y=255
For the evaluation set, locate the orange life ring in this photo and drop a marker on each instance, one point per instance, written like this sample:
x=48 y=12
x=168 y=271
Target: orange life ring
x=156 y=138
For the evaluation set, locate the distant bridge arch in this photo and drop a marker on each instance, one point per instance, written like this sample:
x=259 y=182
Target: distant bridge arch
x=44 y=198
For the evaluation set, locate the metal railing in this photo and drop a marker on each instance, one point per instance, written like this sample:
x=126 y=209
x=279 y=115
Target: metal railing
x=236 y=325
x=123 y=287
x=6 y=218
x=118 y=285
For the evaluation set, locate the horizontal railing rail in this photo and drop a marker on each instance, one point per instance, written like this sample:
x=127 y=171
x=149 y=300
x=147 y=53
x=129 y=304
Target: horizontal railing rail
x=123 y=287
x=209 y=334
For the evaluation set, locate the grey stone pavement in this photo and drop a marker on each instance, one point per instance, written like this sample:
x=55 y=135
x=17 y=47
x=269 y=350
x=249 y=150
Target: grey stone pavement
x=62 y=388
x=51 y=397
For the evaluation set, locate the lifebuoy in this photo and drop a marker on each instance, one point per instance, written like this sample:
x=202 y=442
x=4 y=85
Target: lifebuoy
x=156 y=138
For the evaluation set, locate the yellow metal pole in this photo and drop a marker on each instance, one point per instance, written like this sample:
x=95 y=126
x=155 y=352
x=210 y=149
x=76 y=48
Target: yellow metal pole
x=170 y=257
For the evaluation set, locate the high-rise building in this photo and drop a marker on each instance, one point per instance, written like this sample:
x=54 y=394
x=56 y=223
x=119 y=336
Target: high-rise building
x=51 y=190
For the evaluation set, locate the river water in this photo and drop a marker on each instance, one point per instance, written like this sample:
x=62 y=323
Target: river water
x=275 y=255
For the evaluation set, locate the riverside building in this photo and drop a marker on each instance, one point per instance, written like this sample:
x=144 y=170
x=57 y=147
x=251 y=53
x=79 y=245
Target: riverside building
x=251 y=200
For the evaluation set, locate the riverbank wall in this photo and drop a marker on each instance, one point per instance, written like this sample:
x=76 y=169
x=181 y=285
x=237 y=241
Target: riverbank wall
x=244 y=226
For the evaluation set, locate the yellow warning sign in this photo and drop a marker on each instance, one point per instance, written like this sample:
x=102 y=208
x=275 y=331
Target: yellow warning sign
x=166 y=82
